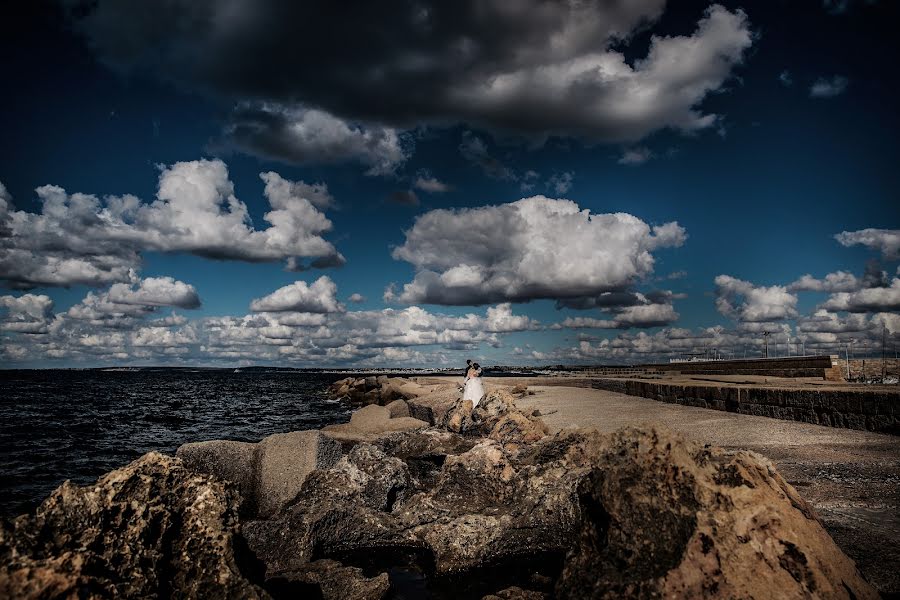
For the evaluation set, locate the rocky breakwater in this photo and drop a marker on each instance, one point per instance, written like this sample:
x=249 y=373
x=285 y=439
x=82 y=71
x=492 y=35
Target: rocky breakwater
x=379 y=390
x=478 y=502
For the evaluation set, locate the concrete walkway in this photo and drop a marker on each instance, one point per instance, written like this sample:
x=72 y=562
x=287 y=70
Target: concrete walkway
x=851 y=477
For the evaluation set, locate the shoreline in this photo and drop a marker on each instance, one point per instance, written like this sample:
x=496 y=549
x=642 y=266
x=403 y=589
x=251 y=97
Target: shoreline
x=431 y=490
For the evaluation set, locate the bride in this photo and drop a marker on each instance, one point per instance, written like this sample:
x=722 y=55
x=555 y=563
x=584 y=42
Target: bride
x=474 y=388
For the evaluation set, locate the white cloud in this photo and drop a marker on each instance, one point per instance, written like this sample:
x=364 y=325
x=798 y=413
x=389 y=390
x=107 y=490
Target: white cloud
x=533 y=248
x=79 y=239
x=635 y=156
x=839 y=281
x=319 y=297
x=500 y=319
x=746 y=302
x=886 y=241
x=299 y=135
x=357 y=298
x=124 y=303
x=432 y=185
x=561 y=183
x=28 y=313
x=874 y=299
x=155 y=291
x=640 y=316
x=599 y=95
x=828 y=87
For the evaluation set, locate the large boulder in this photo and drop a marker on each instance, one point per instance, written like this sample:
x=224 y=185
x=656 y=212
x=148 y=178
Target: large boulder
x=371 y=422
x=150 y=529
x=663 y=517
x=267 y=474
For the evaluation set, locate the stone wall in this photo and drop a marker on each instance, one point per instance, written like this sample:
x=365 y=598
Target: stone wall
x=791 y=366
x=869 y=368
x=872 y=410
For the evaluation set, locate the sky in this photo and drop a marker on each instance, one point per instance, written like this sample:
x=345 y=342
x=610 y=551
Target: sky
x=410 y=184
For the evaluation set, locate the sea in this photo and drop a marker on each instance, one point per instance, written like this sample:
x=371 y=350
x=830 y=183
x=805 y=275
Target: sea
x=79 y=424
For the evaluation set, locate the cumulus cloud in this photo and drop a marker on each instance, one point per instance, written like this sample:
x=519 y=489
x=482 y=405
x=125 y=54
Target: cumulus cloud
x=873 y=299
x=357 y=298
x=746 y=302
x=123 y=303
x=102 y=330
x=839 y=281
x=298 y=135
x=28 y=313
x=828 y=87
x=536 y=68
x=79 y=239
x=318 y=297
x=639 y=316
x=533 y=248
x=886 y=241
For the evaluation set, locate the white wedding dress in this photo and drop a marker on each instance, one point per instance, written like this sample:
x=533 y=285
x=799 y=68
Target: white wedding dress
x=474 y=390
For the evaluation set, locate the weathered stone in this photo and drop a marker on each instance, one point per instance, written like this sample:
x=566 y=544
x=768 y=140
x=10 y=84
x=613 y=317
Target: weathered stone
x=332 y=581
x=515 y=593
x=285 y=460
x=268 y=474
x=150 y=529
x=398 y=408
x=668 y=518
x=412 y=390
x=228 y=460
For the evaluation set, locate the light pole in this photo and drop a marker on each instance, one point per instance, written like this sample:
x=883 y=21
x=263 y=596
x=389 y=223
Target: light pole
x=766 y=335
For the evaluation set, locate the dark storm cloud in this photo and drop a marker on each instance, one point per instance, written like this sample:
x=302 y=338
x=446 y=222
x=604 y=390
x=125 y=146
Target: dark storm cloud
x=534 y=67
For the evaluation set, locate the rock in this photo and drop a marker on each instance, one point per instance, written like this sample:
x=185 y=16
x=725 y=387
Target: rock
x=370 y=422
x=285 y=460
x=332 y=581
x=228 y=460
x=412 y=390
x=398 y=408
x=514 y=429
x=370 y=383
x=370 y=418
x=268 y=474
x=668 y=518
x=497 y=417
x=340 y=509
x=515 y=593
x=519 y=390
x=459 y=419
x=150 y=529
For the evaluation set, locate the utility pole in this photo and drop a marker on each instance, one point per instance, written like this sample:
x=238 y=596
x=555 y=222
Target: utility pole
x=847 y=357
x=883 y=335
x=766 y=335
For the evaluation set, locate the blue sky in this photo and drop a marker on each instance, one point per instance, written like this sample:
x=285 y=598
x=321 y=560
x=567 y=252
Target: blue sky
x=761 y=131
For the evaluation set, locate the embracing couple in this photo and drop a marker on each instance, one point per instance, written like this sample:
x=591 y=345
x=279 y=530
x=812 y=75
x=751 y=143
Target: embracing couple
x=474 y=389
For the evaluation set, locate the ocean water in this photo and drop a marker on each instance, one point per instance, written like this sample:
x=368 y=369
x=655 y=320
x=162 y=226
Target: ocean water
x=63 y=424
